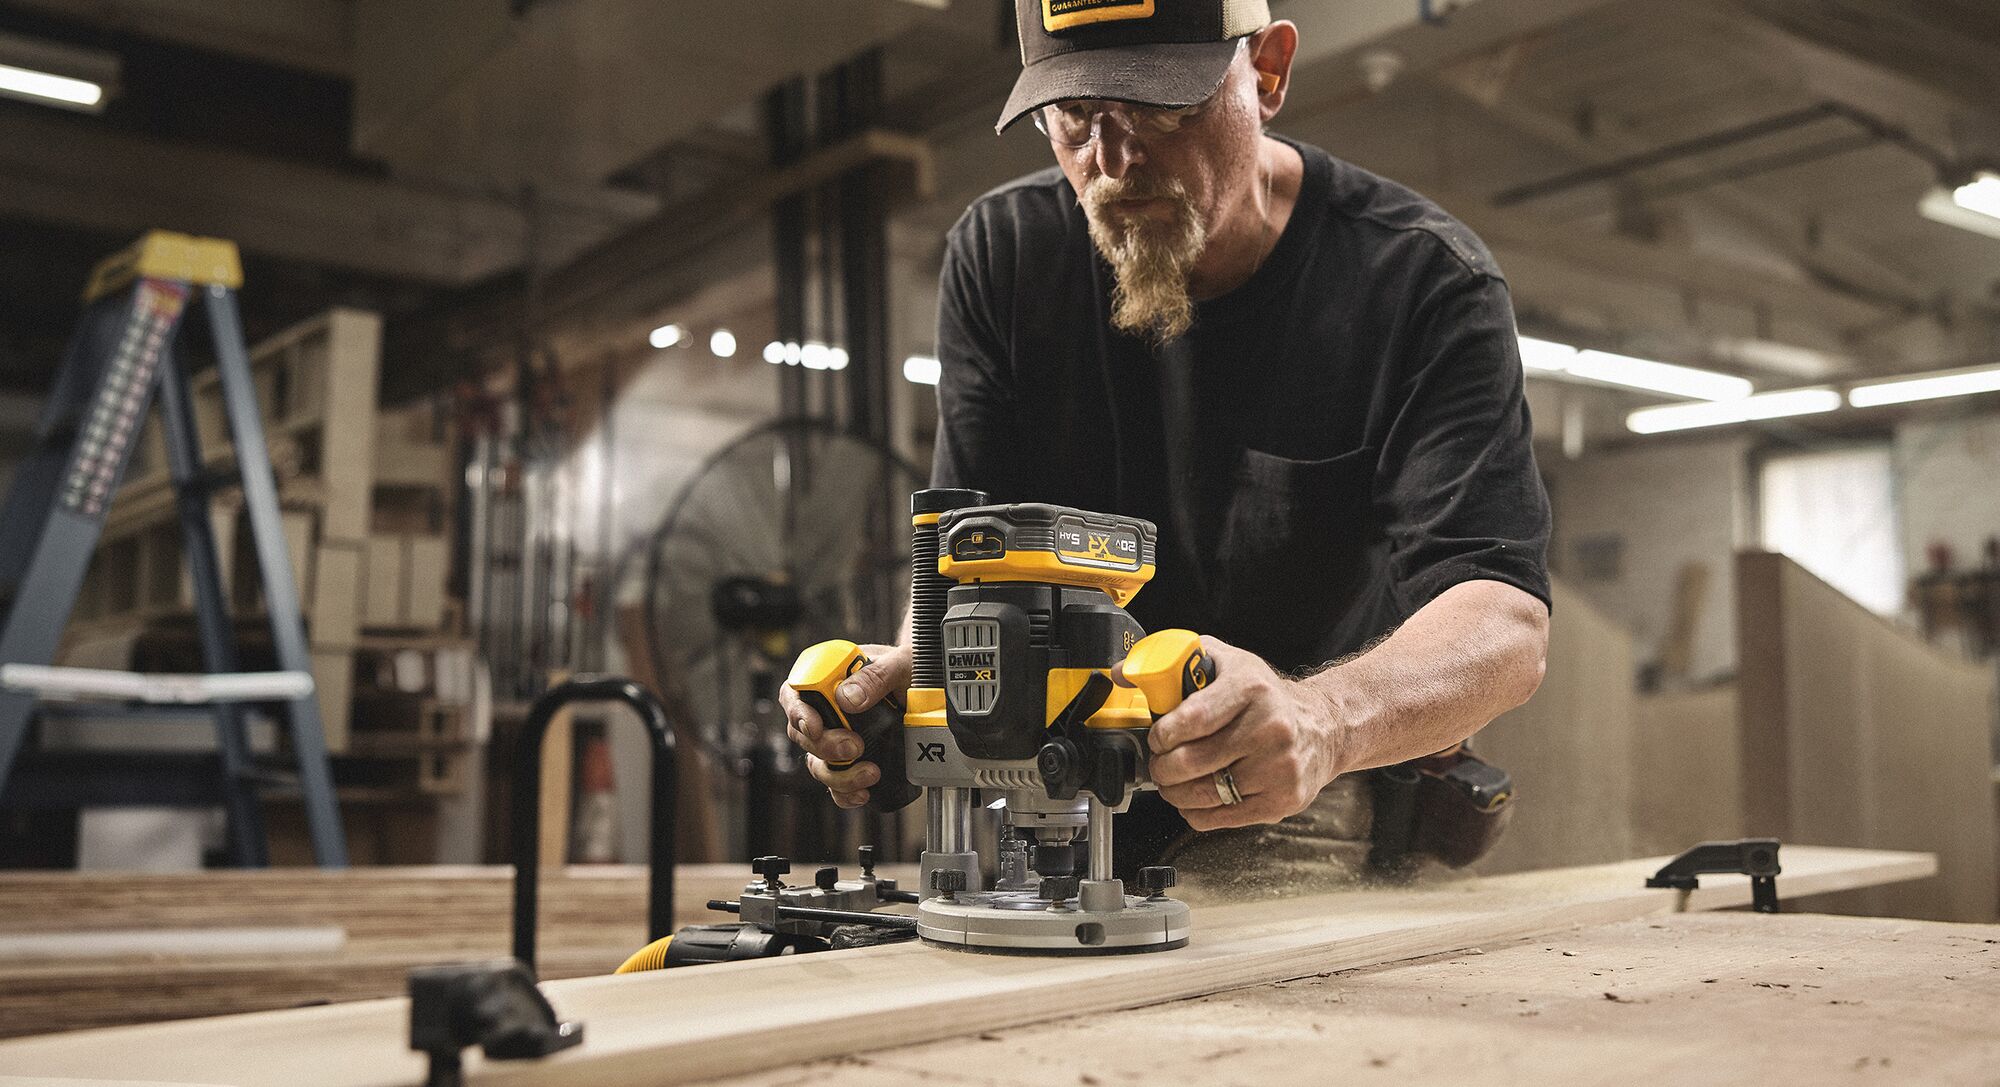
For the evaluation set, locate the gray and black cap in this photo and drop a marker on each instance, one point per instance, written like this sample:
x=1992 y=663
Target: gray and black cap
x=1167 y=53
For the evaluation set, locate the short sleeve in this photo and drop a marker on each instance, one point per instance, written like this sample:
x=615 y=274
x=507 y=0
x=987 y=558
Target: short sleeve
x=1456 y=481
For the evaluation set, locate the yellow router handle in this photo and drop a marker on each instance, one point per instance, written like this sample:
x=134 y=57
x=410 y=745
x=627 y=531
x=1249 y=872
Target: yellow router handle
x=817 y=673
x=1168 y=666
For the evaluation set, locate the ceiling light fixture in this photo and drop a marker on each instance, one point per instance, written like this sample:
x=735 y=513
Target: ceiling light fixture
x=1969 y=203
x=50 y=88
x=1550 y=357
x=774 y=353
x=1659 y=377
x=922 y=369
x=1547 y=356
x=62 y=76
x=1982 y=379
x=1742 y=410
x=666 y=336
x=722 y=344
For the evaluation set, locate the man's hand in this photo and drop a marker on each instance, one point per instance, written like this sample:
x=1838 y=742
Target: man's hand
x=1281 y=740
x=888 y=670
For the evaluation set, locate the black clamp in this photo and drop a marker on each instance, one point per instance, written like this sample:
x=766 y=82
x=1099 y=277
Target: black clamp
x=493 y=1005
x=1753 y=857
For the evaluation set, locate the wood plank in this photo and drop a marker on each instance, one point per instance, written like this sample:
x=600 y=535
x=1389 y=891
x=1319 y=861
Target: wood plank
x=392 y=919
x=680 y=1026
x=1569 y=749
x=1764 y=753
x=126 y=944
x=558 y=779
x=1686 y=775
x=1688 y=998
x=1886 y=741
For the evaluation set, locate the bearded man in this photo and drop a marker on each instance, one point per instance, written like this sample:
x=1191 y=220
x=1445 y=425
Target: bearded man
x=1305 y=374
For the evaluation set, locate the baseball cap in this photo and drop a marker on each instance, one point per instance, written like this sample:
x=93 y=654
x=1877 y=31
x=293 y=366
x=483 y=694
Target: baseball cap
x=1167 y=53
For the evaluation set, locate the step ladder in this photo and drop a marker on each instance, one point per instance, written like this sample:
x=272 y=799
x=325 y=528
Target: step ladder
x=54 y=515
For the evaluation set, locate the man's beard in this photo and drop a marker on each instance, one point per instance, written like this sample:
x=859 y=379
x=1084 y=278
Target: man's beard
x=1151 y=258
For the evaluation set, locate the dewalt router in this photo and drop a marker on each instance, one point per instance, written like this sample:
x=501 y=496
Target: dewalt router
x=1018 y=617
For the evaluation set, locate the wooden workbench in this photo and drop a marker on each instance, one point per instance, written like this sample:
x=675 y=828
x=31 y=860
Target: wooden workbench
x=682 y=1026
x=1688 y=998
x=383 y=922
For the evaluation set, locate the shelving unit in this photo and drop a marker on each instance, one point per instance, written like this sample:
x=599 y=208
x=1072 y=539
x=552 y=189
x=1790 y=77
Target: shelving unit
x=365 y=497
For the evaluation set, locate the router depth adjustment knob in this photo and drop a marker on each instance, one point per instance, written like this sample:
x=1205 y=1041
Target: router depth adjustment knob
x=867 y=862
x=771 y=868
x=1155 y=880
x=947 y=882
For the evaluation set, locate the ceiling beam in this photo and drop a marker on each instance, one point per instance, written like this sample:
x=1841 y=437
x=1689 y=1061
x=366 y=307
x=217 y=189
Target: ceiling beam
x=610 y=294
x=70 y=171
x=1618 y=259
x=1835 y=263
x=1393 y=38
x=314 y=35
x=1939 y=112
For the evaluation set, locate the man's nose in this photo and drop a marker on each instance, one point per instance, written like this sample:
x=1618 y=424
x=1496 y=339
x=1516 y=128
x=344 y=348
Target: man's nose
x=1118 y=150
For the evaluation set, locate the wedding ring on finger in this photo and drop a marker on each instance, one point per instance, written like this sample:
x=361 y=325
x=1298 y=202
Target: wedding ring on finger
x=1225 y=787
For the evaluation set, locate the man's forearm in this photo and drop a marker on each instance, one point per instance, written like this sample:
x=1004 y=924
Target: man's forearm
x=1470 y=655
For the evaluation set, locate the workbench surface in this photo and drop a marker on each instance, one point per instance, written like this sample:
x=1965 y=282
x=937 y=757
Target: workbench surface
x=1686 y=998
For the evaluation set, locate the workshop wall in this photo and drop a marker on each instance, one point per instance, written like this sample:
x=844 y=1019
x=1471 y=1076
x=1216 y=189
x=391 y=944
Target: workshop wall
x=1627 y=521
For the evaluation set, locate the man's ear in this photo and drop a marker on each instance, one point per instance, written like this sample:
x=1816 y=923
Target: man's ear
x=1271 y=53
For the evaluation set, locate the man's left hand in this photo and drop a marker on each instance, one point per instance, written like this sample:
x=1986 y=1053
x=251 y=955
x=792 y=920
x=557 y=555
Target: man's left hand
x=1281 y=741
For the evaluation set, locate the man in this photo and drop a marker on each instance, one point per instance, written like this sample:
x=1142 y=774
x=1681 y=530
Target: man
x=1305 y=374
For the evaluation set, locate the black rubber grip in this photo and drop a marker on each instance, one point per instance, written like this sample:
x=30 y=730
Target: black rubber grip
x=881 y=730
x=1197 y=674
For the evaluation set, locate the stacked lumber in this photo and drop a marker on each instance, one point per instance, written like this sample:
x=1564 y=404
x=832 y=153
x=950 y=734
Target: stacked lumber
x=387 y=919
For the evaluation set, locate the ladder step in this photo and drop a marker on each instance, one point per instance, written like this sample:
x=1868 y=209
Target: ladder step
x=50 y=681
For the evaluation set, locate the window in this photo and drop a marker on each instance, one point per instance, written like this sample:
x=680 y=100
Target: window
x=1834 y=513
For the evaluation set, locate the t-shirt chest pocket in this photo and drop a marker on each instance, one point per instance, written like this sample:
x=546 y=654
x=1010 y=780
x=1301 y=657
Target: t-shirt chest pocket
x=1292 y=543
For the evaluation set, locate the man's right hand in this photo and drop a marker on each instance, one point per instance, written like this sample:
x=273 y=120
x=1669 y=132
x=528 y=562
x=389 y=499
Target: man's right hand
x=888 y=672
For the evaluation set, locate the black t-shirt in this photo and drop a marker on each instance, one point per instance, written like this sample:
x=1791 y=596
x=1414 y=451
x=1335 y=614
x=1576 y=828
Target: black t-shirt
x=1332 y=445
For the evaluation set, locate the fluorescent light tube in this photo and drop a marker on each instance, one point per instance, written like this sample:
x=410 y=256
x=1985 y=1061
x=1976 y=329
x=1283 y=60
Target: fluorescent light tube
x=1546 y=356
x=922 y=369
x=1722 y=412
x=1973 y=206
x=49 y=88
x=666 y=336
x=63 y=76
x=1985 y=379
x=1659 y=377
x=1981 y=194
